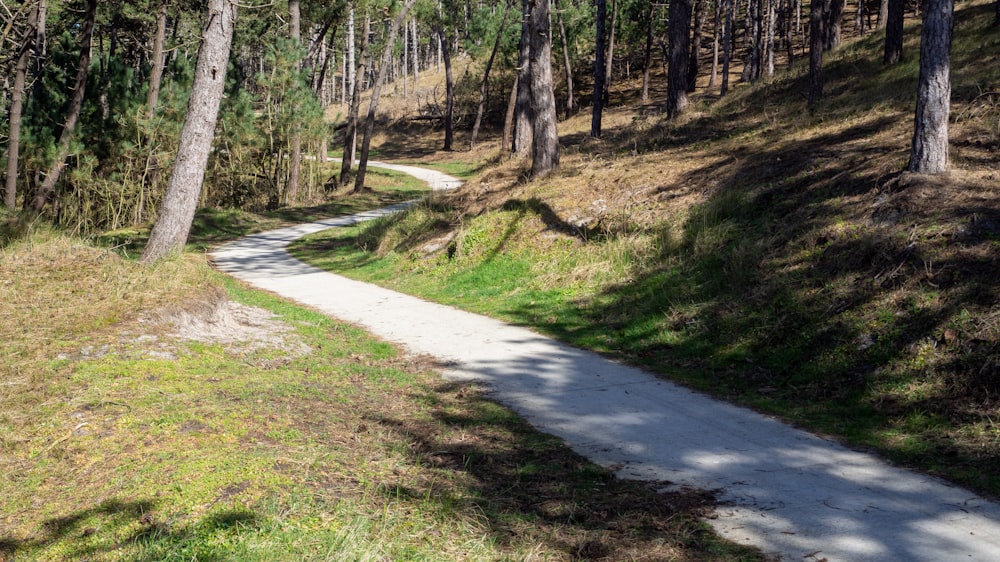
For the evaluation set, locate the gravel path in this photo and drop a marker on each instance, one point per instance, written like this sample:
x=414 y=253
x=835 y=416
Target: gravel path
x=786 y=491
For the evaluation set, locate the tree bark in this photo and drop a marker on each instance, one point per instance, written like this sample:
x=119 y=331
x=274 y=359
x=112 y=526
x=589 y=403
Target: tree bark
x=16 y=110
x=483 y=87
x=295 y=150
x=609 y=57
x=41 y=48
x=727 y=46
x=772 y=21
x=679 y=46
x=833 y=24
x=48 y=186
x=883 y=13
x=894 y=32
x=700 y=17
x=816 y=35
x=351 y=129
x=181 y=199
x=507 y=142
x=359 y=181
x=647 y=54
x=522 y=111
x=929 y=154
x=545 y=138
x=449 y=89
x=567 y=63
x=157 y=60
x=716 y=27
x=598 y=103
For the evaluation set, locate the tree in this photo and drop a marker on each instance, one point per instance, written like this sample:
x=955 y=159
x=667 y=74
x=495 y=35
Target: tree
x=567 y=63
x=522 y=107
x=351 y=129
x=816 y=25
x=545 y=139
x=359 y=181
x=834 y=11
x=894 y=32
x=177 y=211
x=48 y=185
x=449 y=91
x=679 y=39
x=156 y=60
x=598 y=104
x=929 y=153
x=700 y=19
x=16 y=109
x=486 y=76
x=295 y=153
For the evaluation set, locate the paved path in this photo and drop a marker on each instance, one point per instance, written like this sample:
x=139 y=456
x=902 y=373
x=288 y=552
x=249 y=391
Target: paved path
x=786 y=491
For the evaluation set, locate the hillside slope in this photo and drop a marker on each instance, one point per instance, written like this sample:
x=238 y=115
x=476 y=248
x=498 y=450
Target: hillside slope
x=755 y=250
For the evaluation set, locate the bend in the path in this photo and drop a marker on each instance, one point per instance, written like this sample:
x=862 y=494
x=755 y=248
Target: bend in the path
x=785 y=491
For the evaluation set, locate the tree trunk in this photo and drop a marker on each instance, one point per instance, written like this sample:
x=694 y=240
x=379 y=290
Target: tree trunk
x=679 y=46
x=351 y=128
x=883 y=14
x=406 y=59
x=929 y=154
x=609 y=57
x=647 y=54
x=416 y=52
x=700 y=16
x=359 y=181
x=567 y=63
x=295 y=150
x=449 y=89
x=177 y=211
x=834 y=21
x=894 y=32
x=598 y=104
x=48 y=186
x=545 y=139
x=507 y=142
x=816 y=35
x=522 y=111
x=16 y=110
x=41 y=48
x=157 y=60
x=486 y=76
x=716 y=26
x=727 y=46
x=772 y=21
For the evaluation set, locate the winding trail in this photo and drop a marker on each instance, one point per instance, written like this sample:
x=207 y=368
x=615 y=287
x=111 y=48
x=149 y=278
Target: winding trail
x=785 y=491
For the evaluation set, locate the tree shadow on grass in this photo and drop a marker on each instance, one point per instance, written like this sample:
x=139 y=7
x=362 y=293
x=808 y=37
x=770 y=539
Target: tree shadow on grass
x=95 y=531
x=533 y=489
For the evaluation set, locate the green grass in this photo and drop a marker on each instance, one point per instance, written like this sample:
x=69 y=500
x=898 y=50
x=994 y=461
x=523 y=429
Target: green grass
x=122 y=441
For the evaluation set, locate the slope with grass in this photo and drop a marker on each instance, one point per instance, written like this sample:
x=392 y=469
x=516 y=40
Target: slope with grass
x=756 y=250
x=167 y=413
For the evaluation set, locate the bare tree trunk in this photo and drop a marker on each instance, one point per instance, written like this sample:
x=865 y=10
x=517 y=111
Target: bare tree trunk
x=41 y=48
x=157 y=60
x=351 y=129
x=598 y=104
x=416 y=52
x=883 y=14
x=816 y=35
x=834 y=23
x=700 y=16
x=717 y=23
x=727 y=46
x=177 y=211
x=522 y=111
x=16 y=110
x=929 y=154
x=295 y=151
x=772 y=20
x=406 y=58
x=48 y=186
x=609 y=59
x=567 y=63
x=359 y=181
x=507 y=143
x=545 y=138
x=486 y=77
x=894 y=32
x=647 y=54
x=449 y=88
x=679 y=39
